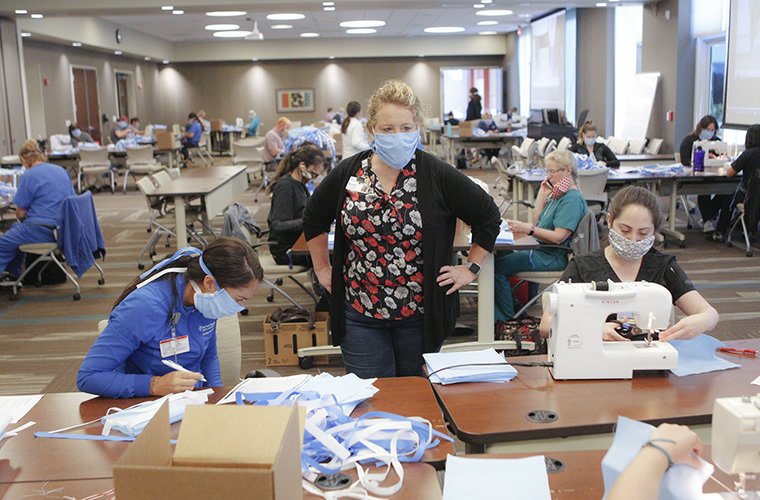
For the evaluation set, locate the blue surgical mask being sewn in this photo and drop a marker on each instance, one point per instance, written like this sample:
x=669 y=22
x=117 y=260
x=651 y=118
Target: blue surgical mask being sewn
x=396 y=150
x=706 y=135
x=76 y=133
x=589 y=141
x=215 y=305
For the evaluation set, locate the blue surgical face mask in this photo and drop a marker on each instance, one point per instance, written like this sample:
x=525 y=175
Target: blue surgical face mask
x=76 y=133
x=396 y=150
x=706 y=135
x=589 y=141
x=215 y=305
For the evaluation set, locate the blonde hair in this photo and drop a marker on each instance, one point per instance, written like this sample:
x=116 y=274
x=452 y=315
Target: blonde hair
x=282 y=121
x=587 y=127
x=393 y=92
x=564 y=159
x=31 y=153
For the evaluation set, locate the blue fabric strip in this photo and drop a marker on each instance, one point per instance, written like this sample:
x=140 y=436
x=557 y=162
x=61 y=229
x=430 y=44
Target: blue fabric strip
x=83 y=437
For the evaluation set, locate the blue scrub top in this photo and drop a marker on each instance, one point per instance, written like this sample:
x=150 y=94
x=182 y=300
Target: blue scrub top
x=254 y=125
x=41 y=191
x=126 y=355
x=197 y=129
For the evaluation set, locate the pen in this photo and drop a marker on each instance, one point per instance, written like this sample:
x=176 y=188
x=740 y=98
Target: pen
x=179 y=367
x=751 y=353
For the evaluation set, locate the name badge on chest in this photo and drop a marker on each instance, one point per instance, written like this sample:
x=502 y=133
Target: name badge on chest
x=358 y=185
x=172 y=347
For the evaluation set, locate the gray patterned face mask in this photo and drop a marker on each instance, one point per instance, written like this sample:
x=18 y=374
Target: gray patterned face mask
x=627 y=249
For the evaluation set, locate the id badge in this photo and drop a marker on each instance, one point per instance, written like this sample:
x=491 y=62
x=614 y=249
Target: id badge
x=357 y=185
x=172 y=347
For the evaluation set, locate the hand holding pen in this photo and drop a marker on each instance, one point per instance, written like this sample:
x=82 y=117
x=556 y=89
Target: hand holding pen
x=179 y=380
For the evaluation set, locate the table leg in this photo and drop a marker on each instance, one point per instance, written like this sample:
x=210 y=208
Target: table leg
x=671 y=230
x=516 y=192
x=179 y=217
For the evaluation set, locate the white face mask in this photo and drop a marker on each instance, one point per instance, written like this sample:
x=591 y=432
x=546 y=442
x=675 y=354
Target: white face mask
x=627 y=249
x=131 y=421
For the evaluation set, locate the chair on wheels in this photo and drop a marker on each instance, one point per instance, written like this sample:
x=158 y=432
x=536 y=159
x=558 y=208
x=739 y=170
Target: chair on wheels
x=740 y=219
x=591 y=184
x=252 y=156
x=140 y=161
x=523 y=155
x=78 y=243
x=93 y=161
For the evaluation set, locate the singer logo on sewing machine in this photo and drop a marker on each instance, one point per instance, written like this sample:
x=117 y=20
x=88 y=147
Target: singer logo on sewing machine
x=610 y=301
x=574 y=341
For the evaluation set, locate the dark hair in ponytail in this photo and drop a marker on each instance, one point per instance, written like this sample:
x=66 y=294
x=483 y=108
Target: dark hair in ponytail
x=307 y=153
x=352 y=109
x=752 y=139
x=232 y=262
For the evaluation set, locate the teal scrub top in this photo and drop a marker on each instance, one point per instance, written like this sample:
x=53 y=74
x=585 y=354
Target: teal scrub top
x=566 y=213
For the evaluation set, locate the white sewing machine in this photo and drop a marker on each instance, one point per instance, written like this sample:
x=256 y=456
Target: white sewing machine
x=579 y=311
x=736 y=434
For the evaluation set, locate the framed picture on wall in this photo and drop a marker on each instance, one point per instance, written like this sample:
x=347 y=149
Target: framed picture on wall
x=293 y=100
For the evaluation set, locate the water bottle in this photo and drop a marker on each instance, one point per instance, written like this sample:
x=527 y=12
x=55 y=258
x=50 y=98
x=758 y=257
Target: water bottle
x=699 y=160
x=448 y=129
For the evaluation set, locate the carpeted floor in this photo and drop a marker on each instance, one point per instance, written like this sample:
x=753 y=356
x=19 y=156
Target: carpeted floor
x=45 y=334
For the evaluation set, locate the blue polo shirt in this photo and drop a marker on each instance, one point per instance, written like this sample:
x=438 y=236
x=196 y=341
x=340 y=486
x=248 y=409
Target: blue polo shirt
x=127 y=353
x=197 y=129
x=41 y=191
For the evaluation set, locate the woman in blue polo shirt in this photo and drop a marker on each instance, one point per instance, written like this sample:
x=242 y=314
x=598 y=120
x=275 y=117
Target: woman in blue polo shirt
x=41 y=191
x=169 y=313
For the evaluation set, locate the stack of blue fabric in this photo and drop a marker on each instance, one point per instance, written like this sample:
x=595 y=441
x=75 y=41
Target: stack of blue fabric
x=468 y=366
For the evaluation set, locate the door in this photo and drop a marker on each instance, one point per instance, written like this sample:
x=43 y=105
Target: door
x=122 y=93
x=86 y=107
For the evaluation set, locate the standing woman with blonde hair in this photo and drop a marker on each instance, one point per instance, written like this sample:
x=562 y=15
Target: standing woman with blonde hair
x=392 y=283
x=41 y=191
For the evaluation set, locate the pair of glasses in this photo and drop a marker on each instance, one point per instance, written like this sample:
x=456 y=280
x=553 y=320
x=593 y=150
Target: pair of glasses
x=553 y=171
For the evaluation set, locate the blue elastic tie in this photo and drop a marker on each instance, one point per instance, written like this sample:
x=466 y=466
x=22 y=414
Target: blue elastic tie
x=179 y=253
x=206 y=270
x=83 y=437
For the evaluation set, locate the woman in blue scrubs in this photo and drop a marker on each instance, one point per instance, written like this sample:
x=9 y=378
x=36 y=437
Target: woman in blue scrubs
x=169 y=313
x=41 y=191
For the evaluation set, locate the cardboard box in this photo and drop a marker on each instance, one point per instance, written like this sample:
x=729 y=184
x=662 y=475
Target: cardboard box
x=165 y=140
x=222 y=452
x=217 y=124
x=281 y=347
x=465 y=128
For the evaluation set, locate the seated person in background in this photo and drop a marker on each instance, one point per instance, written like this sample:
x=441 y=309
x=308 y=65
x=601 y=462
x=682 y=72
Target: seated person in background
x=709 y=205
x=274 y=143
x=450 y=120
x=253 y=123
x=487 y=124
x=633 y=219
x=180 y=298
x=559 y=207
x=588 y=146
x=671 y=444
x=354 y=137
x=330 y=115
x=203 y=119
x=289 y=197
x=134 y=126
x=41 y=191
x=119 y=131
x=192 y=136
x=748 y=163
x=513 y=114
x=78 y=135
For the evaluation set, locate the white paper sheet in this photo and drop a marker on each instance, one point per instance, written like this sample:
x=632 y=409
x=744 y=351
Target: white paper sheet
x=265 y=385
x=698 y=356
x=492 y=478
x=18 y=406
x=756 y=381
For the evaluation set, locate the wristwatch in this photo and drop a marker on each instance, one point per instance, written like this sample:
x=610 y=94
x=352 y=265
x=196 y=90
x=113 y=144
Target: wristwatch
x=532 y=230
x=473 y=268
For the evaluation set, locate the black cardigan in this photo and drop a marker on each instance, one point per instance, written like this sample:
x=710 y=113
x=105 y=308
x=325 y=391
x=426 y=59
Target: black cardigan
x=289 y=199
x=444 y=194
x=601 y=151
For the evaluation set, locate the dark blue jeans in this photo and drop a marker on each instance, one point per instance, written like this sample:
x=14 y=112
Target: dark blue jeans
x=382 y=348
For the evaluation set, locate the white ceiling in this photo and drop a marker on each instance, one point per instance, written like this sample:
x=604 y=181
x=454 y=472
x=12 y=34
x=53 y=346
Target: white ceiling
x=403 y=18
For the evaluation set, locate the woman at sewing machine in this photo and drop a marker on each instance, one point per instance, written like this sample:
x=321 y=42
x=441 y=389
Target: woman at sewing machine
x=633 y=218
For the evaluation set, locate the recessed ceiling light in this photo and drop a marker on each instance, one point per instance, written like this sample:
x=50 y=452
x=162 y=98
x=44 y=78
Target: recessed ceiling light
x=281 y=26
x=255 y=59
x=328 y=4
x=524 y=16
x=444 y=29
x=147 y=58
x=309 y=35
x=285 y=16
x=166 y=61
x=76 y=44
x=362 y=24
x=494 y=12
x=421 y=55
x=478 y=6
x=117 y=52
x=487 y=23
x=36 y=16
x=601 y=4
x=329 y=9
x=221 y=27
x=487 y=33
x=331 y=57
x=25 y=34
x=21 y=12
x=178 y=12
x=226 y=13
x=167 y=7
x=486 y=1
x=361 y=31
x=231 y=34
